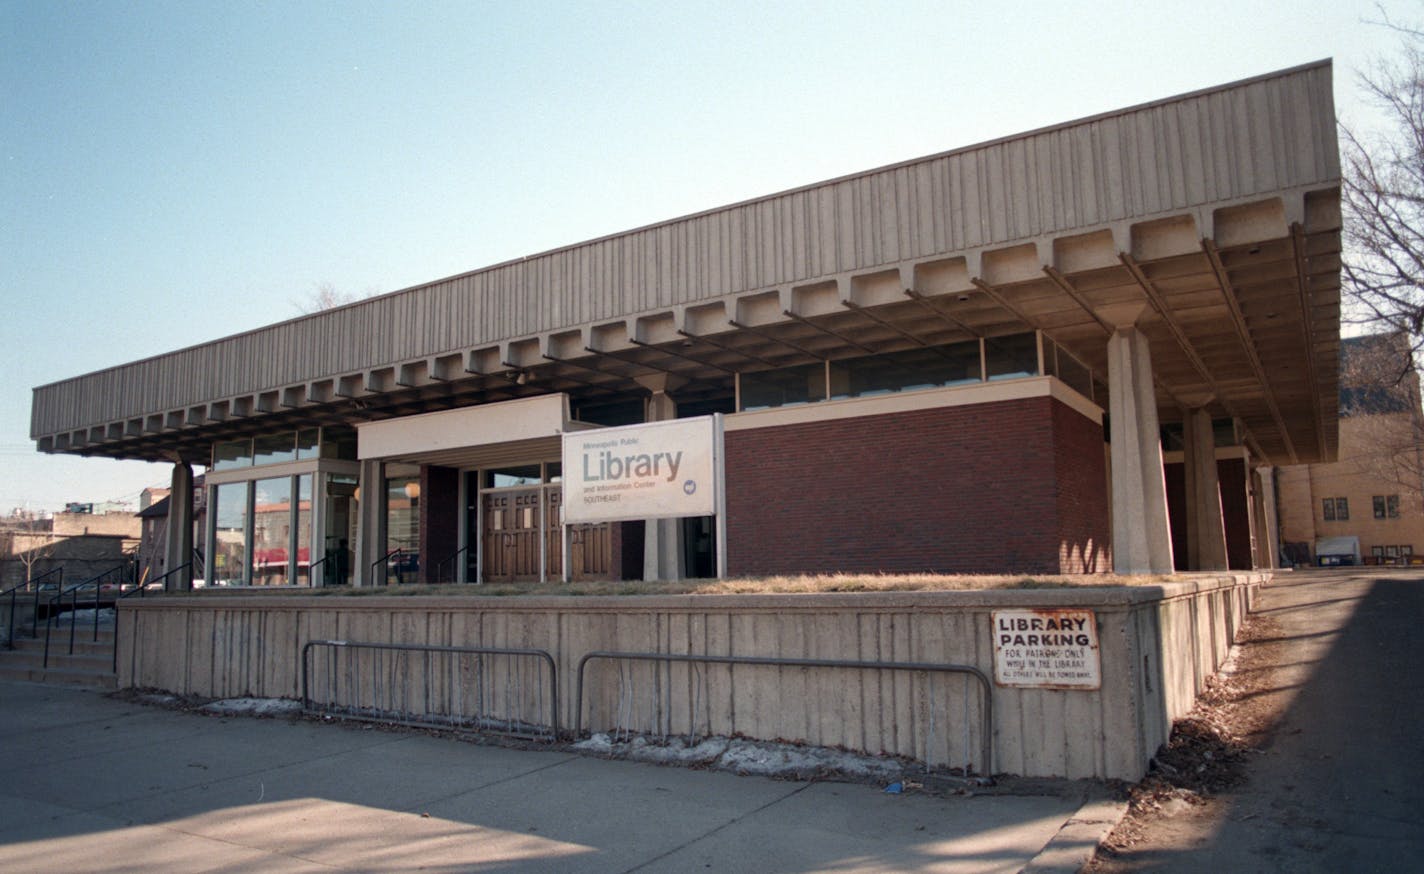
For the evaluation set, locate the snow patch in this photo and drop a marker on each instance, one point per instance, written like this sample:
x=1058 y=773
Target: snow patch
x=747 y=757
x=254 y=707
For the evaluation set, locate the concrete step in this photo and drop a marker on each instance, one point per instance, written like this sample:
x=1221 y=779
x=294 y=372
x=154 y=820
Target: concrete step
x=59 y=676
x=84 y=642
x=92 y=664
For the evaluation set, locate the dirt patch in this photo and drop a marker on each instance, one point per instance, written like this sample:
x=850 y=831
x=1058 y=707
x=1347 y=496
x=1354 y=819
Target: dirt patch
x=1208 y=753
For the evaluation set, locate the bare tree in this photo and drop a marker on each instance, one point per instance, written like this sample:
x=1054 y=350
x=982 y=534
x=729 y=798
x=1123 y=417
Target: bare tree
x=1383 y=196
x=29 y=540
x=325 y=296
x=1382 y=424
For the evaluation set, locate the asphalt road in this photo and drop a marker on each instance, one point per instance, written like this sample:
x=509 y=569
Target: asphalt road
x=1339 y=783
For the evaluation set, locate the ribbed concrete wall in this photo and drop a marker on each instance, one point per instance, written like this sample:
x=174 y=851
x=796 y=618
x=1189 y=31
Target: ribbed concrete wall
x=1265 y=135
x=1158 y=643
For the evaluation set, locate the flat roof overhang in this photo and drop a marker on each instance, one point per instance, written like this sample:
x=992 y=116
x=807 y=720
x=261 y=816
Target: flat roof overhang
x=1239 y=297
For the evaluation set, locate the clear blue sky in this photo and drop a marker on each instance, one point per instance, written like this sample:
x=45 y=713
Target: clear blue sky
x=177 y=172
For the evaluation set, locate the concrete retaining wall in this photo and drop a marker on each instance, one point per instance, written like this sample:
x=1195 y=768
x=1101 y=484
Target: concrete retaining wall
x=1158 y=644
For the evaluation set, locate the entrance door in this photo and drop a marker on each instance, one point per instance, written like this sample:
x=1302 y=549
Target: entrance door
x=511 y=538
x=590 y=546
x=515 y=533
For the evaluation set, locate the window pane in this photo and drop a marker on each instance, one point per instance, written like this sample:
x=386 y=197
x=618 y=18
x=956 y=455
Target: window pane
x=230 y=535
x=907 y=370
x=308 y=443
x=340 y=515
x=232 y=454
x=1378 y=501
x=784 y=387
x=1327 y=505
x=338 y=442
x=1393 y=503
x=275 y=448
x=304 y=529
x=1013 y=356
x=520 y=475
x=1072 y=372
x=403 y=528
x=272 y=531
x=1342 y=509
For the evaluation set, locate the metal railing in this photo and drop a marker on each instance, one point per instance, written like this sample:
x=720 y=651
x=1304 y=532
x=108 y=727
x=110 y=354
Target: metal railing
x=56 y=604
x=483 y=689
x=986 y=689
x=386 y=561
x=33 y=584
x=139 y=589
x=439 y=575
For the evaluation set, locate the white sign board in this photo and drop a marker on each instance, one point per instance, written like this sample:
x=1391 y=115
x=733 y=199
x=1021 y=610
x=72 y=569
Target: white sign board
x=1046 y=649
x=655 y=470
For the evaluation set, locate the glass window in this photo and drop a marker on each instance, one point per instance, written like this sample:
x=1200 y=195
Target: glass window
x=230 y=535
x=303 y=524
x=1327 y=506
x=1075 y=374
x=403 y=528
x=231 y=454
x=308 y=443
x=1377 y=551
x=783 y=387
x=1011 y=357
x=340 y=518
x=1392 y=503
x=520 y=475
x=1342 y=509
x=910 y=369
x=272 y=531
x=275 y=448
x=1223 y=432
x=1391 y=552
x=1378 y=502
x=554 y=471
x=339 y=443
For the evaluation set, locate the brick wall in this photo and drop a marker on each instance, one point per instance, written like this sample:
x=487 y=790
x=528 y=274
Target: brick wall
x=1016 y=486
x=440 y=514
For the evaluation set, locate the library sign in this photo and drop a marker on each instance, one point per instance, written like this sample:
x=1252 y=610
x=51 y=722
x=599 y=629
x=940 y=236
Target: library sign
x=655 y=470
x=1046 y=649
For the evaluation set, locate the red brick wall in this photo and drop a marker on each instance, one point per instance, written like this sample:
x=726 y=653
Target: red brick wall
x=1235 y=512
x=439 y=522
x=954 y=490
x=1081 y=481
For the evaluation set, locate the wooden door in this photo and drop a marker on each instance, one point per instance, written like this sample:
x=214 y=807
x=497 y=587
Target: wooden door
x=511 y=536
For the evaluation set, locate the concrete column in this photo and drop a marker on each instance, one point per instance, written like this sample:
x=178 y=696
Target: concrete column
x=1142 y=541
x=1270 y=527
x=371 y=524
x=1206 y=534
x=662 y=538
x=178 y=550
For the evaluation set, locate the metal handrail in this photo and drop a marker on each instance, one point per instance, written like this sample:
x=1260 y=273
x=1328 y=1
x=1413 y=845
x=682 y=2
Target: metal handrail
x=58 y=600
x=987 y=688
x=311 y=572
x=35 y=612
x=412 y=647
x=385 y=560
x=140 y=588
x=444 y=561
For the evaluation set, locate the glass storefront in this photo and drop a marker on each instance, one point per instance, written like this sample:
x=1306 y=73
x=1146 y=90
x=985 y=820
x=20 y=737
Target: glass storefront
x=272 y=495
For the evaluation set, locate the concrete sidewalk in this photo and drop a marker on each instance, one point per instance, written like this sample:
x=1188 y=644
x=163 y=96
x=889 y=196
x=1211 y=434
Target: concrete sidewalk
x=97 y=784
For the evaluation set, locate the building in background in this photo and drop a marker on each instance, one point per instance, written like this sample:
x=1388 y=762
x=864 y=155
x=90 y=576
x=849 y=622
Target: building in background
x=1375 y=491
x=83 y=544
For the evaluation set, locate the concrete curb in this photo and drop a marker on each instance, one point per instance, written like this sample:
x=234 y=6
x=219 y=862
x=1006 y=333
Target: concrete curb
x=1078 y=840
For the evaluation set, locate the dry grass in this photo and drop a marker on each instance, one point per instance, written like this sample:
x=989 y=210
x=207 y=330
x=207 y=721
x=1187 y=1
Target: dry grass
x=811 y=583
